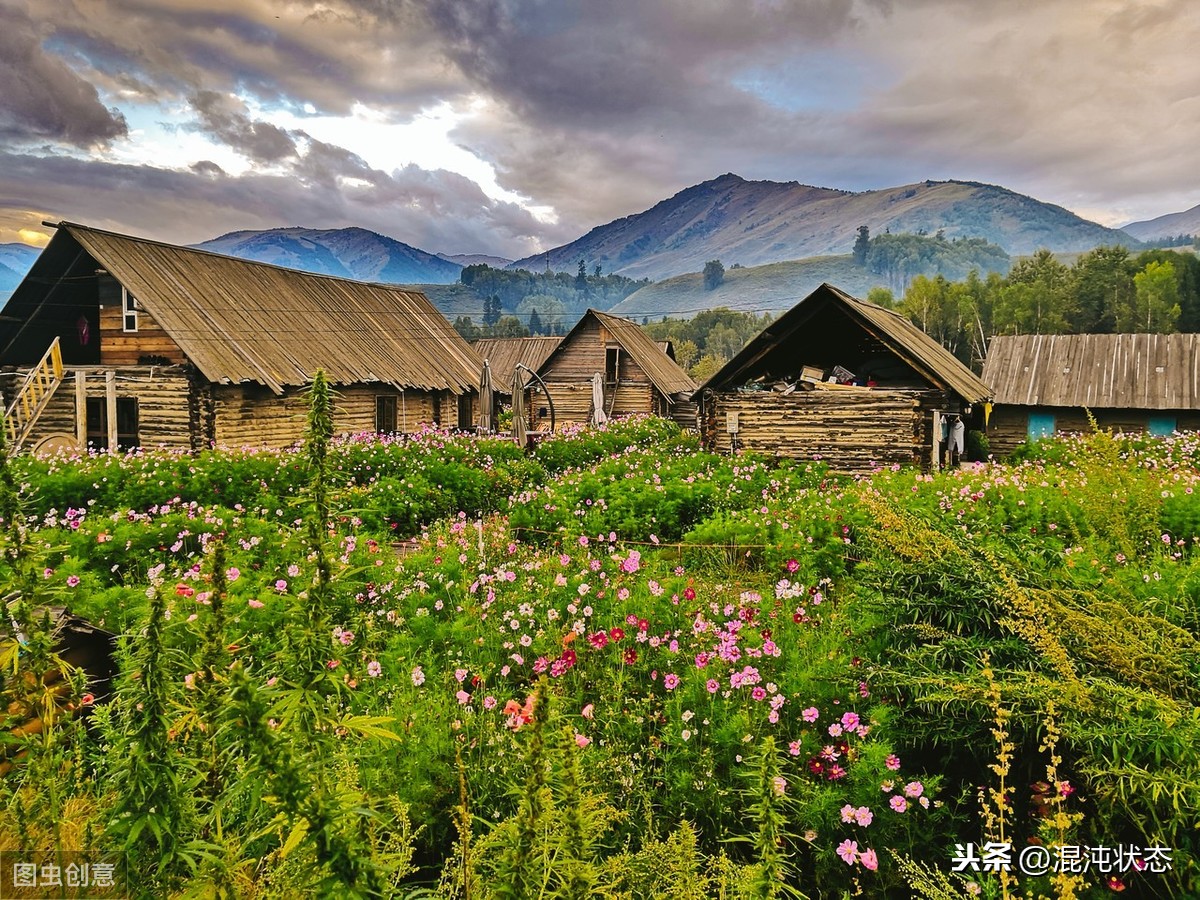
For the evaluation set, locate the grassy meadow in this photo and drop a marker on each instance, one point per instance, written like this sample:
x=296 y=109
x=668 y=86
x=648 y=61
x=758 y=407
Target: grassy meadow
x=618 y=667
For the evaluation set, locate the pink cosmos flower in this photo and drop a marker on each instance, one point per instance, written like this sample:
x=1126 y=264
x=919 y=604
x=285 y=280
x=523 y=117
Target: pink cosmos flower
x=712 y=685
x=898 y=803
x=72 y=581
x=670 y=681
x=835 y=730
x=418 y=676
x=869 y=859
x=847 y=813
x=893 y=762
x=489 y=702
x=233 y=573
x=581 y=740
x=281 y=585
x=374 y=669
x=863 y=816
x=850 y=720
x=759 y=693
x=588 y=712
x=255 y=604
x=794 y=748
x=914 y=789
x=810 y=715
x=848 y=851
x=462 y=697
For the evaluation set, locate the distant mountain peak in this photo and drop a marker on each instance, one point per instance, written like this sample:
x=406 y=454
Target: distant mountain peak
x=758 y=222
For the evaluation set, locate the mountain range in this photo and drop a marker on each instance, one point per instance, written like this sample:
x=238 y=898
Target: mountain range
x=754 y=222
x=1168 y=226
x=345 y=252
x=742 y=223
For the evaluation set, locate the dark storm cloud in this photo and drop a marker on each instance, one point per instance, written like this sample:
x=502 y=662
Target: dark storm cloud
x=41 y=98
x=224 y=117
x=435 y=211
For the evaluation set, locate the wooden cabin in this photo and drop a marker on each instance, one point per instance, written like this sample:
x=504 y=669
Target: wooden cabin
x=843 y=380
x=1048 y=383
x=117 y=341
x=505 y=354
x=639 y=377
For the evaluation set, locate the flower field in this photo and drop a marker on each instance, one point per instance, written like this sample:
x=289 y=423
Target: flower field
x=618 y=667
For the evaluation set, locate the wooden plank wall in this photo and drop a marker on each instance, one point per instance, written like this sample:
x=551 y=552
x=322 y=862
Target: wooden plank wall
x=853 y=431
x=252 y=416
x=162 y=394
x=121 y=348
x=569 y=378
x=1008 y=426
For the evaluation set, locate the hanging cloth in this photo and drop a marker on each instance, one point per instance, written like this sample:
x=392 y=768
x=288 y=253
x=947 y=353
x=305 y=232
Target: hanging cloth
x=957 y=431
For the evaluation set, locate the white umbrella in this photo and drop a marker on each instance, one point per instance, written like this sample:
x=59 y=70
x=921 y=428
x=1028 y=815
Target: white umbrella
x=518 y=408
x=598 y=416
x=485 y=399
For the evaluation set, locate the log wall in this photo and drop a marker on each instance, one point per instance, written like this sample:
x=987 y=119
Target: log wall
x=127 y=348
x=569 y=379
x=252 y=416
x=851 y=430
x=162 y=393
x=1008 y=426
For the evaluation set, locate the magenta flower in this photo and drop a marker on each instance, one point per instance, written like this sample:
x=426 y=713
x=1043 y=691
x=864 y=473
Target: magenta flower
x=670 y=681
x=869 y=859
x=850 y=720
x=281 y=585
x=893 y=762
x=810 y=715
x=898 y=803
x=712 y=685
x=72 y=581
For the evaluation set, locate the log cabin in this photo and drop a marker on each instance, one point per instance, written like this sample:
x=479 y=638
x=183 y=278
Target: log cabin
x=1047 y=384
x=842 y=380
x=114 y=341
x=639 y=376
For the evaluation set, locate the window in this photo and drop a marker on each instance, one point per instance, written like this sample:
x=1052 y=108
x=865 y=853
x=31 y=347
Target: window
x=129 y=311
x=1041 y=425
x=612 y=358
x=1161 y=425
x=127 y=423
x=385 y=414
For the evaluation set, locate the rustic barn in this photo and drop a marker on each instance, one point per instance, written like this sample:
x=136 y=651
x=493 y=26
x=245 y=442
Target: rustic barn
x=1048 y=383
x=638 y=376
x=505 y=354
x=117 y=341
x=843 y=380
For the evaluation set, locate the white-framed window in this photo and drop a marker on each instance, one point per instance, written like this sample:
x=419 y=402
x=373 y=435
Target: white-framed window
x=129 y=311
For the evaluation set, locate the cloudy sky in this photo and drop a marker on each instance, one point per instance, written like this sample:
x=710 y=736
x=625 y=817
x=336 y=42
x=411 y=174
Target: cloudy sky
x=510 y=126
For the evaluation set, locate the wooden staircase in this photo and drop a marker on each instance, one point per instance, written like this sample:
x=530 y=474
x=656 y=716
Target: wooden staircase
x=33 y=397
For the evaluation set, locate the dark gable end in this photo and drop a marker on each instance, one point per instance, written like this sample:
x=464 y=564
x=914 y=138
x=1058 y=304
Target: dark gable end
x=830 y=327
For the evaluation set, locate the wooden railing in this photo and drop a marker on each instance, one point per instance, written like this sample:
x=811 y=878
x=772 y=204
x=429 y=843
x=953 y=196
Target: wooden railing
x=33 y=396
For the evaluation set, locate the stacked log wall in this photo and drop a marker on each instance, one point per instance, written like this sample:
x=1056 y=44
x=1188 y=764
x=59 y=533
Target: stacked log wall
x=162 y=393
x=253 y=416
x=851 y=430
x=125 y=348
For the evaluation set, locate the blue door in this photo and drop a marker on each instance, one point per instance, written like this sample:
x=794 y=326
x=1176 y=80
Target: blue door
x=1041 y=425
x=1162 y=425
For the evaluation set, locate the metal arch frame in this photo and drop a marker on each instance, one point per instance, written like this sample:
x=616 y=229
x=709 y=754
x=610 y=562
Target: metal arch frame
x=546 y=389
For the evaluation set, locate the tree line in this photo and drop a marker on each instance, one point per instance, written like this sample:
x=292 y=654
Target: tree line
x=517 y=303
x=708 y=340
x=1106 y=290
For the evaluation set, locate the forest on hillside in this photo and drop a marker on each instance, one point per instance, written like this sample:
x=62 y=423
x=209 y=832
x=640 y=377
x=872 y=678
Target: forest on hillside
x=1107 y=290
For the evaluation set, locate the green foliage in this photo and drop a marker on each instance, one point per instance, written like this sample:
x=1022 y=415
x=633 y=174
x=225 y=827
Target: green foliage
x=714 y=274
x=899 y=258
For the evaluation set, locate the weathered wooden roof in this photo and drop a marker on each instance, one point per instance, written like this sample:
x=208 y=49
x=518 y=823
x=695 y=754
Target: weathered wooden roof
x=1098 y=371
x=664 y=373
x=929 y=358
x=505 y=353
x=244 y=321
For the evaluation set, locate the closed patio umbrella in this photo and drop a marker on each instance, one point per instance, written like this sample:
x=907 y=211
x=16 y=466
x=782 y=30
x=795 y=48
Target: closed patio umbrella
x=518 y=408
x=486 y=423
x=598 y=416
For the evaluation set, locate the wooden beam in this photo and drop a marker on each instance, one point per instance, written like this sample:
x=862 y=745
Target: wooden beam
x=110 y=403
x=81 y=408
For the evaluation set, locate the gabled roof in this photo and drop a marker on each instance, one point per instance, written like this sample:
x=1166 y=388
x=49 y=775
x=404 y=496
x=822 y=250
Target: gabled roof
x=1098 y=371
x=503 y=354
x=664 y=373
x=242 y=321
x=908 y=342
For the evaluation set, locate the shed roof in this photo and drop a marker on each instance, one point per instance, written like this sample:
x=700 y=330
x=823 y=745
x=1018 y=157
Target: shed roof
x=238 y=320
x=925 y=355
x=1098 y=371
x=505 y=353
x=664 y=373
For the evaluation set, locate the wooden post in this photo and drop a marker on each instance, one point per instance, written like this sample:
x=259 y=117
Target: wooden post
x=937 y=436
x=110 y=403
x=81 y=408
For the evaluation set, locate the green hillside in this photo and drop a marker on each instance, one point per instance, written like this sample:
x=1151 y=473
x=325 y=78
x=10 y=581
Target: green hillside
x=773 y=288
